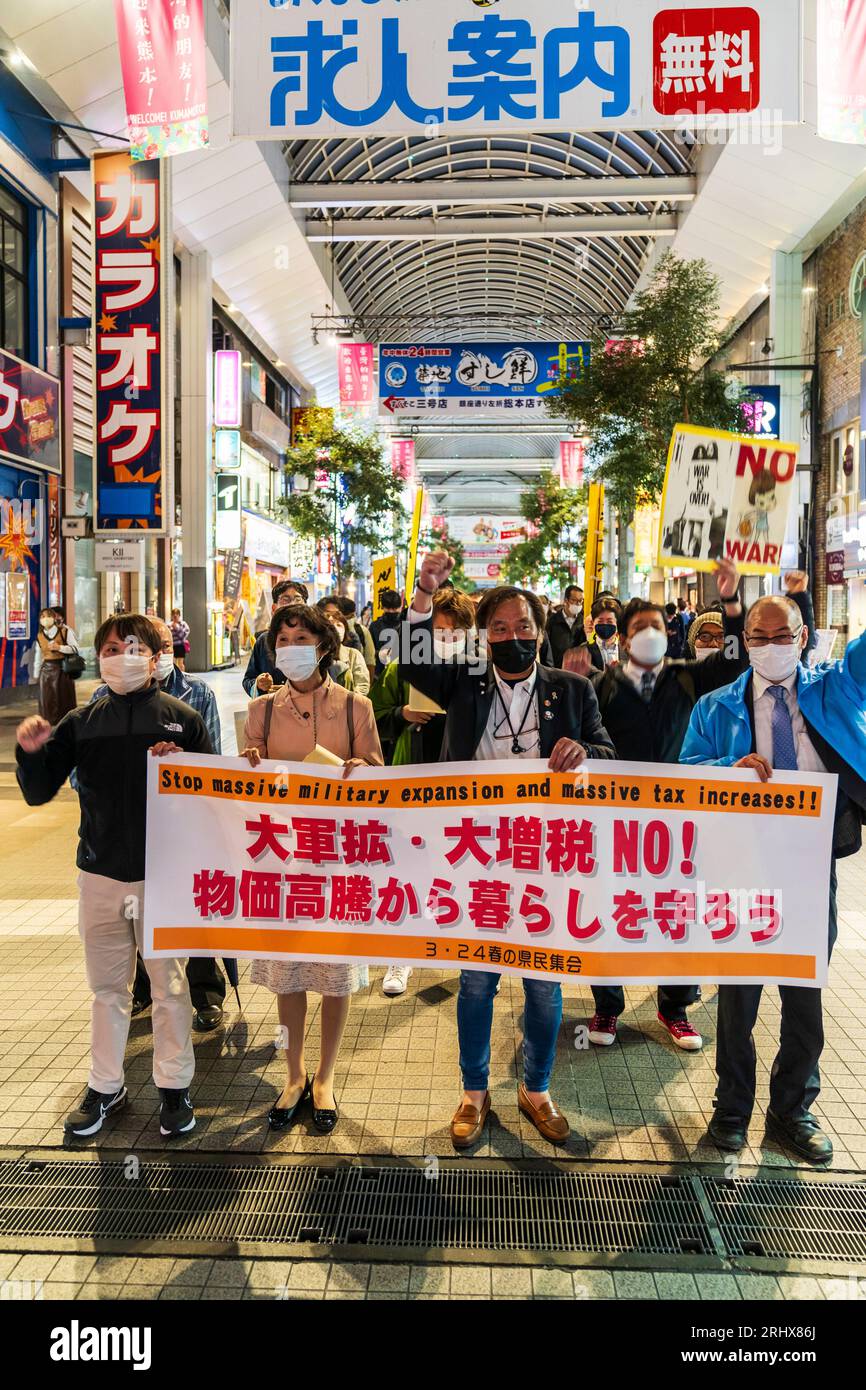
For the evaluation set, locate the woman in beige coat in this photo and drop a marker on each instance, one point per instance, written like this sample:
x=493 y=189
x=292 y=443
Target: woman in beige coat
x=310 y=710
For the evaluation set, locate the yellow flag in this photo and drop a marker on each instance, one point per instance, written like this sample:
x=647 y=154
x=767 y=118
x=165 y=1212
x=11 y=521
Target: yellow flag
x=384 y=577
x=413 y=544
x=594 y=538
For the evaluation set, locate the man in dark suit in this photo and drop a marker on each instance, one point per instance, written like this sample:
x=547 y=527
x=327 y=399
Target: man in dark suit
x=565 y=628
x=507 y=707
x=781 y=715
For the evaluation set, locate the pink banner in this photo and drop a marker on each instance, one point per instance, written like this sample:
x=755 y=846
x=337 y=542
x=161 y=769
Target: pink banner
x=571 y=461
x=163 y=60
x=403 y=458
x=842 y=70
x=355 y=363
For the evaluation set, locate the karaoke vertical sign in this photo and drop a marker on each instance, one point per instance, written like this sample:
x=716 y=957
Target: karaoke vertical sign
x=133 y=319
x=163 y=60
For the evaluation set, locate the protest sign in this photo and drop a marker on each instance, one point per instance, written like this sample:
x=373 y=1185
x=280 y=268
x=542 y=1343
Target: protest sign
x=384 y=577
x=624 y=872
x=726 y=495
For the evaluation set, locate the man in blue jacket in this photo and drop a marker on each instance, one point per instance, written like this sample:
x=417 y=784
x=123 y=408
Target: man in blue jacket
x=782 y=716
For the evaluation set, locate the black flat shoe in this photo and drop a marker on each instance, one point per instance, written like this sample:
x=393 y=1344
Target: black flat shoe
x=325 y=1121
x=728 y=1135
x=281 y=1119
x=804 y=1136
x=139 y=1006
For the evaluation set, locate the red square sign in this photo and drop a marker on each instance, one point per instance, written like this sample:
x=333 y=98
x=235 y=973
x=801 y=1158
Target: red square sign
x=706 y=61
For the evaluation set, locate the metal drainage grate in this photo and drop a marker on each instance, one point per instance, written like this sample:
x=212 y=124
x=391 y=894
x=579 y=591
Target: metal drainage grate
x=388 y=1207
x=781 y=1217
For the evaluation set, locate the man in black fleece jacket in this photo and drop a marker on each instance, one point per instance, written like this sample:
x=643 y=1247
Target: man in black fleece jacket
x=108 y=742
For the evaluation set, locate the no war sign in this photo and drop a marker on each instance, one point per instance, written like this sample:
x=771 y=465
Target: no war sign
x=623 y=872
x=726 y=495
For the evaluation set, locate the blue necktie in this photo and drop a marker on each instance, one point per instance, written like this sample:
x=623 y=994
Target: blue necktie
x=784 y=747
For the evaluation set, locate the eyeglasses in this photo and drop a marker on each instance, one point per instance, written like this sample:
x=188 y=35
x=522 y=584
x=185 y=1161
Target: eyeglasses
x=784 y=639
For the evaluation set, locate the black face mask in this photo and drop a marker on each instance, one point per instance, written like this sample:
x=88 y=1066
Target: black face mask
x=514 y=655
x=605 y=631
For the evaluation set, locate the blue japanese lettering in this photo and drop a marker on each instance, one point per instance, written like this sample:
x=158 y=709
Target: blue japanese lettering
x=492 y=78
x=586 y=35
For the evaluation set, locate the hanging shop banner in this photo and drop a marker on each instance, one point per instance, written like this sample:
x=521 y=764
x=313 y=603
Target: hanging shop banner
x=133 y=319
x=459 y=379
x=414 y=537
x=841 y=38
x=403 y=459
x=53 y=539
x=227 y=508
x=487 y=531
x=227 y=389
x=384 y=577
x=29 y=414
x=627 y=873
x=726 y=495
x=356 y=369
x=334 y=67
x=163 y=58
x=762 y=411
x=572 y=457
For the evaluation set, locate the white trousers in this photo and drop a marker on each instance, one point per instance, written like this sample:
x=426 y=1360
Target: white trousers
x=111 y=925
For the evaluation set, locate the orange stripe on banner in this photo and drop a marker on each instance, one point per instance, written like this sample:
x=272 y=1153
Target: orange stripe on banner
x=584 y=791
x=612 y=965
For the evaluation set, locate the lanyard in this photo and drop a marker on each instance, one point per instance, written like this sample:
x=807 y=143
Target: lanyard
x=515 y=734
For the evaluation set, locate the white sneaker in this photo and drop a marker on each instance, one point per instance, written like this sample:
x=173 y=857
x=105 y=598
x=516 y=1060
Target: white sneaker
x=395 y=979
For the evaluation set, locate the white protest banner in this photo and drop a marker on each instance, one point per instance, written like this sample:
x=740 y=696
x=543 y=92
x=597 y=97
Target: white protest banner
x=309 y=68
x=626 y=872
x=726 y=495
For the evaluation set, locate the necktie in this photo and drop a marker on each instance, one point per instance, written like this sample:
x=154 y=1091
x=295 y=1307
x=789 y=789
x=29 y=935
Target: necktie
x=647 y=681
x=784 y=747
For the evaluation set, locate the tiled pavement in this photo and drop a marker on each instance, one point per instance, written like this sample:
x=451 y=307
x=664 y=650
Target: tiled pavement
x=641 y=1100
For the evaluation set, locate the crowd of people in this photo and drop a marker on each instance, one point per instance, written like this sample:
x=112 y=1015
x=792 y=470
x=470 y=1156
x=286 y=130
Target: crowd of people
x=631 y=679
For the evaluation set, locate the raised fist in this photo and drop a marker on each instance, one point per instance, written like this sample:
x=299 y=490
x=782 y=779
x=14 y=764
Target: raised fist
x=32 y=733
x=435 y=569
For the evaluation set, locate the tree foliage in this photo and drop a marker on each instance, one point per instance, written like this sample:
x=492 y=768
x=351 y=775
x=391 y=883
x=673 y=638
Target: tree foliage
x=634 y=394
x=358 y=504
x=552 y=546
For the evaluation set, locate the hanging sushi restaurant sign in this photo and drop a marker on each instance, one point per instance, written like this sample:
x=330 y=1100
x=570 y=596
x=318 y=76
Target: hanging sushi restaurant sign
x=132 y=318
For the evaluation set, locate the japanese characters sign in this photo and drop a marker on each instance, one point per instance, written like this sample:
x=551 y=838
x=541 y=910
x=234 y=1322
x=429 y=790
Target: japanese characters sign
x=29 y=414
x=163 y=58
x=629 y=872
x=356 y=366
x=462 y=379
x=403 y=459
x=334 y=67
x=132 y=332
x=726 y=495
x=572 y=461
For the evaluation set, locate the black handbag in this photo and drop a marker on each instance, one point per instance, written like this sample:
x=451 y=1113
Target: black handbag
x=73 y=665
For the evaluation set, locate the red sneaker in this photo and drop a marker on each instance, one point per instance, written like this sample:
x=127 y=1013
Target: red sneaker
x=682 y=1032
x=602 y=1029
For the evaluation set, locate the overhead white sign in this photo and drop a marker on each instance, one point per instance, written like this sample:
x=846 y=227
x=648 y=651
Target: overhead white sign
x=357 y=67
x=119 y=556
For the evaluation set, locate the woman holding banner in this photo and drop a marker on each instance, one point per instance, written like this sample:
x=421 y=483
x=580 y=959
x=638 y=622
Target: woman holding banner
x=310 y=718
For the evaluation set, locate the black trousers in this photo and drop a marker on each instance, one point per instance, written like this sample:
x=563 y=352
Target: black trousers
x=207 y=983
x=795 y=1078
x=672 y=999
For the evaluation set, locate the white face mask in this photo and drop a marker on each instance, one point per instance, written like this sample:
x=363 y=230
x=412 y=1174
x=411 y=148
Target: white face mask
x=701 y=653
x=125 y=673
x=775 y=664
x=47 y=624
x=572 y=609
x=448 y=646
x=648 y=647
x=164 y=666
x=297 y=663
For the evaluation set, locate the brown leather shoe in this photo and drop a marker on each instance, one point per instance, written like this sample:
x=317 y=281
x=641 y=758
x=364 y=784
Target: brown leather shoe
x=549 y=1121
x=468 y=1122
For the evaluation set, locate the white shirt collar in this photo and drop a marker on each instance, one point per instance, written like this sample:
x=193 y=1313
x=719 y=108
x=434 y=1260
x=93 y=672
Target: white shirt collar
x=762 y=685
x=636 y=673
x=528 y=684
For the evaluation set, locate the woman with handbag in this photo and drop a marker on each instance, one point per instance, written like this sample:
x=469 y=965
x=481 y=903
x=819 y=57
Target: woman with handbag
x=57 y=663
x=311 y=713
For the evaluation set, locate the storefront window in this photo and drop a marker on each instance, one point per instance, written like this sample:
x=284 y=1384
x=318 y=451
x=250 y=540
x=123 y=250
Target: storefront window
x=13 y=275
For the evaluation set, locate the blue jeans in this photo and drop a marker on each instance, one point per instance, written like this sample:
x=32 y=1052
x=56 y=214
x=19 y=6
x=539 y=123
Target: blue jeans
x=542 y=1015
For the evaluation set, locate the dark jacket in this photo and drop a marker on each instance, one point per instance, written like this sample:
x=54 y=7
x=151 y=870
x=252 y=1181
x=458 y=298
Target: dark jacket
x=389 y=622
x=108 y=742
x=654 y=732
x=561 y=636
x=259 y=663
x=565 y=700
